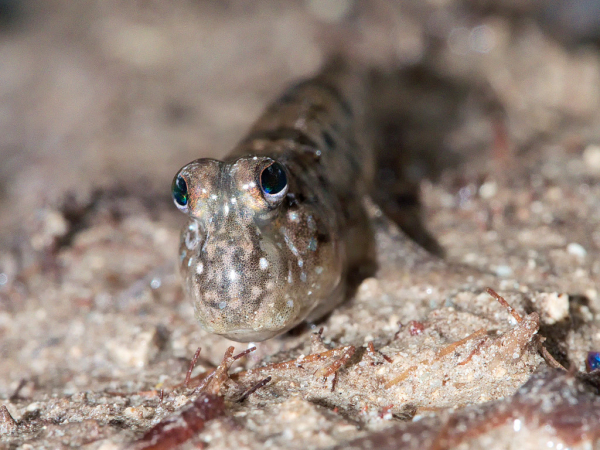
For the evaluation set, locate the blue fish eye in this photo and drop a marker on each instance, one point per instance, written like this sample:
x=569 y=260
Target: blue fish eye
x=273 y=179
x=179 y=191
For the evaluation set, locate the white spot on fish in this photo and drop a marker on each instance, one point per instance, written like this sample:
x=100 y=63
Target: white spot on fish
x=192 y=239
x=263 y=263
x=222 y=305
x=252 y=184
x=303 y=276
x=233 y=201
x=213 y=197
x=300 y=263
x=293 y=216
x=288 y=241
x=200 y=268
x=225 y=209
x=233 y=275
x=290 y=279
x=290 y=303
x=319 y=270
x=190 y=262
x=204 y=191
x=245 y=187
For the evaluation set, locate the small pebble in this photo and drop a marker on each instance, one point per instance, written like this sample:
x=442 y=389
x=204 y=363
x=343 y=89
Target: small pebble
x=553 y=307
x=504 y=271
x=591 y=157
x=576 y=249
x=488 y=189
x=155 y=283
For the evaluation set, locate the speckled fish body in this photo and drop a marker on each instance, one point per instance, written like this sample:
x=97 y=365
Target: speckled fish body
x=276 y=228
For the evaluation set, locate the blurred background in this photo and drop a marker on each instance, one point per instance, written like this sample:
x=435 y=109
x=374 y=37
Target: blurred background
x=103 y=93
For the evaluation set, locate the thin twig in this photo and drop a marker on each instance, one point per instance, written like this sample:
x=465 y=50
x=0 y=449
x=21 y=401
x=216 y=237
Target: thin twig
x=550 y=360
x=191 y=368
x=372 y=352
x=203 y=383
x=253 y=389
x=244 y=353
x=451 y=347
x=475 y=351
x=504 y=303
x=325 y=372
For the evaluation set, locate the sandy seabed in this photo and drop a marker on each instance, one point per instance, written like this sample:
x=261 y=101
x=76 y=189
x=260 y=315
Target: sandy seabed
x=102 y=102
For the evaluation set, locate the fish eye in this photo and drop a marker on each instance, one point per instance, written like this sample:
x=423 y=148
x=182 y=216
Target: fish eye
x=179 y=191
x=273 y=181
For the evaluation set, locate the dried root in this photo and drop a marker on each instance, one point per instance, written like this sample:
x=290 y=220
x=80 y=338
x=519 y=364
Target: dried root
x=550 y=360
x=191 y=419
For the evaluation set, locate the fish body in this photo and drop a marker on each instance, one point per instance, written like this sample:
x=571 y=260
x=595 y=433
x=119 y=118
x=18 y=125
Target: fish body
x=276 y=229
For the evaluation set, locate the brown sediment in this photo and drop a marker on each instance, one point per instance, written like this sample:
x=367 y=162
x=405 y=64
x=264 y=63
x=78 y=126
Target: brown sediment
x=183 y=426
x=553 y=407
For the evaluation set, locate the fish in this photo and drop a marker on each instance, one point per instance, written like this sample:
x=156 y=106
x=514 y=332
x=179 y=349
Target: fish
x=278 y=229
